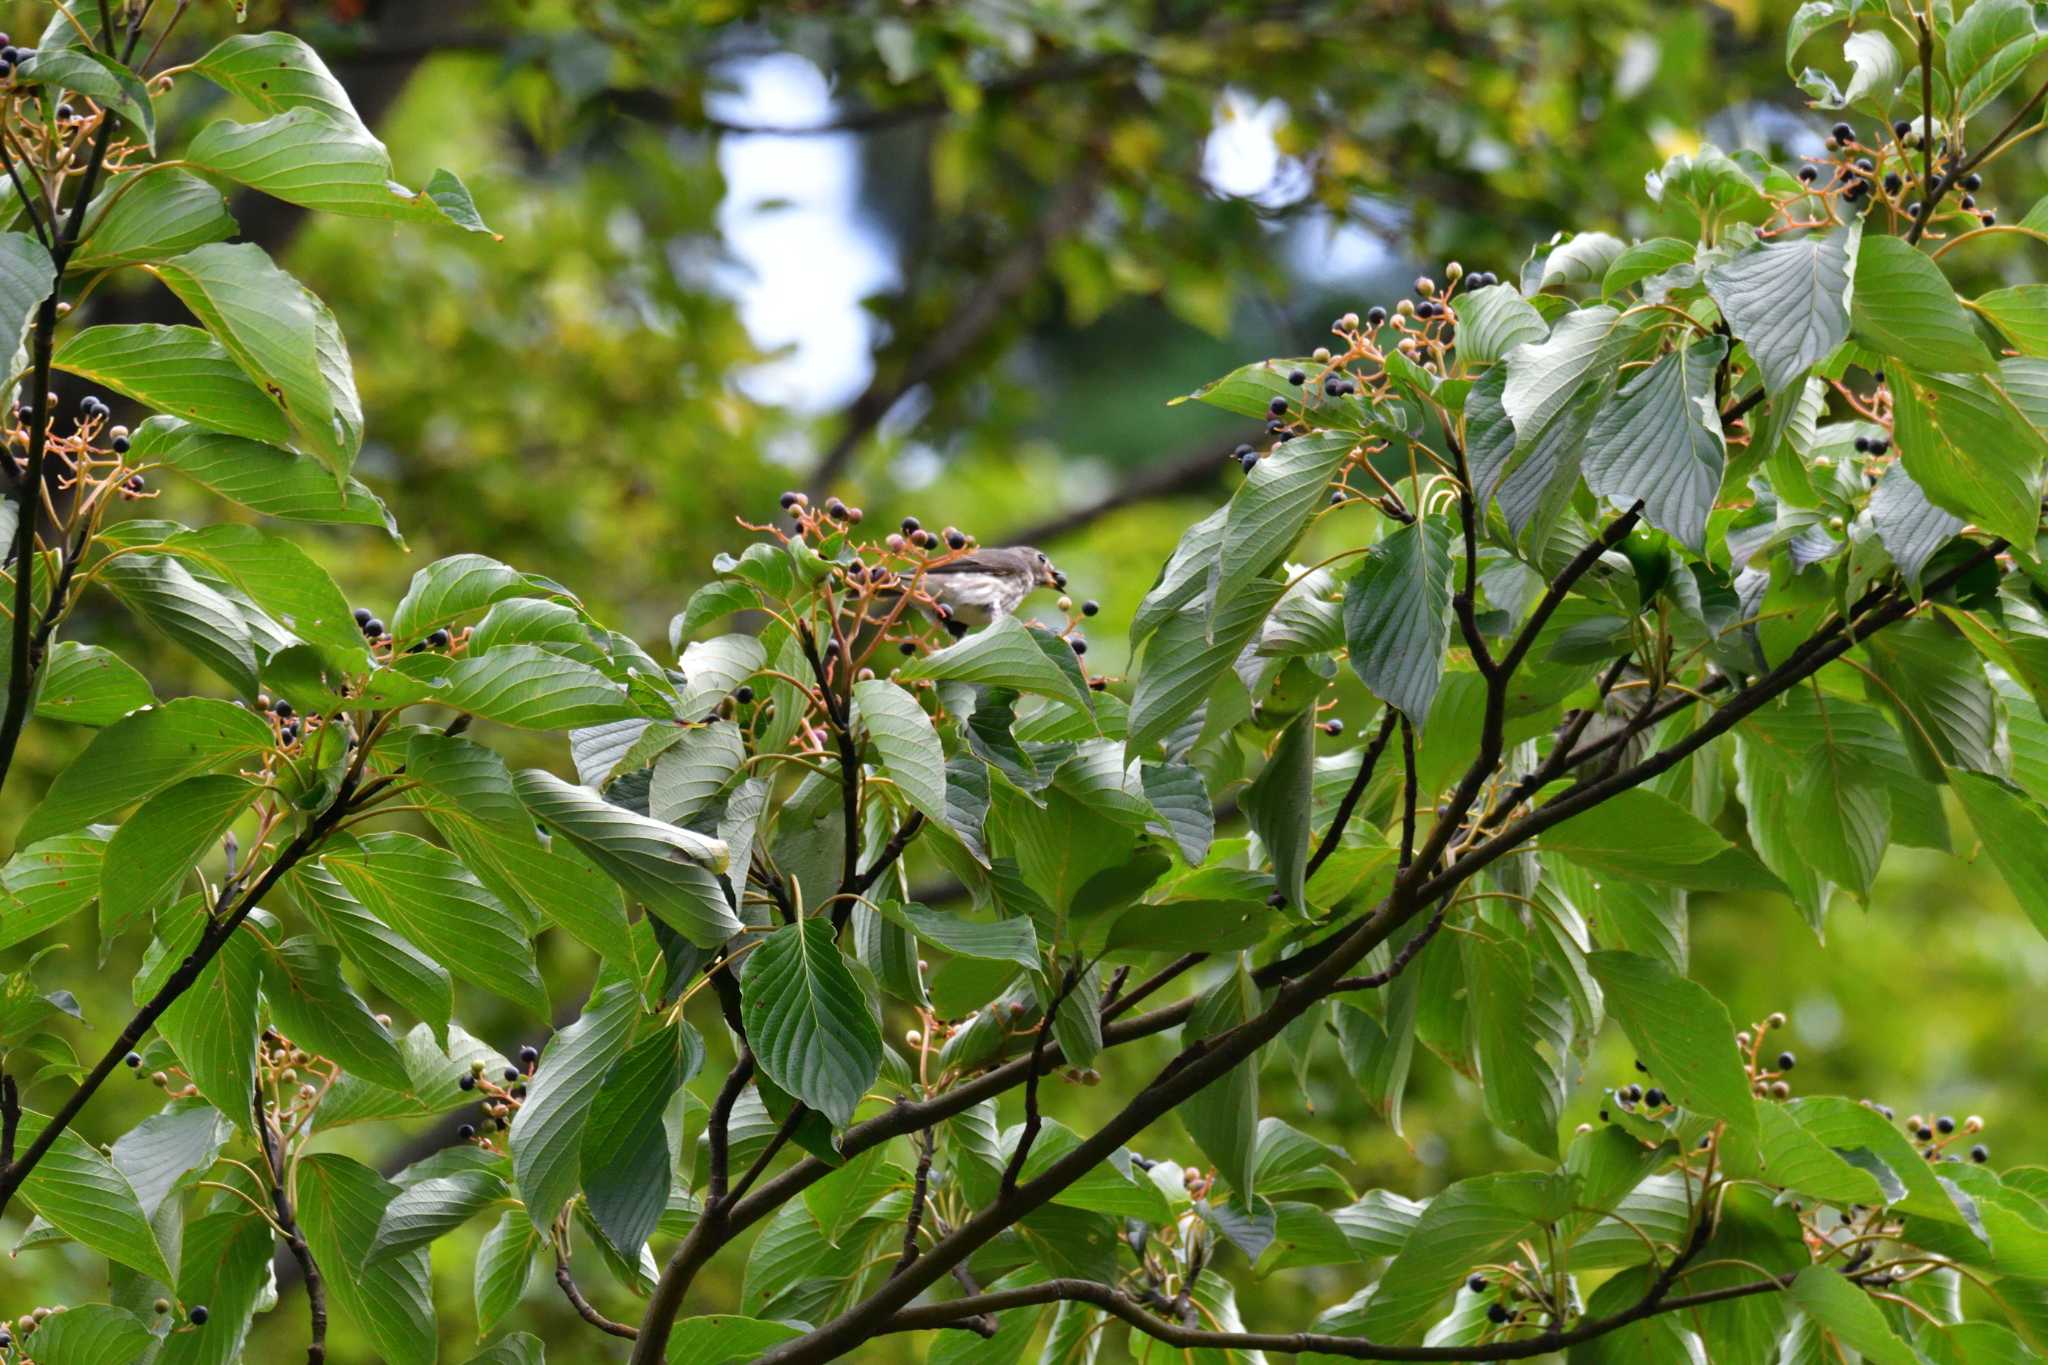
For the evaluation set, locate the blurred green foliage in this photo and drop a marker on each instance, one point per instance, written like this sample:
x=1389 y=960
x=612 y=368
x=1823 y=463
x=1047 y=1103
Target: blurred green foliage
x=569 y=399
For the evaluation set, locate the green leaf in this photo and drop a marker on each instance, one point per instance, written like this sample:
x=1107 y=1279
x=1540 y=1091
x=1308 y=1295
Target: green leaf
x=1397 y=616
x=690 y=774
x=88 y=685
x=470 y=800
x=1644 y=260
x=1909 y=527
x=670 y=870
x=810 y=1024
x=1183 y=659
x=224 y=1264
x=282 y=580
x=2021 y=314
x=521 y=1348
x=1272 y=507
x=401 y=971
x=427 y=895
x=724 y=1339
x=1682 y=1033
x=424 y=1210
x=1969 y=447
x=1278 y=804
x=310 y=157
x=1002 y=940
x=274 y=72
x=1223 y=1117
x=313 y=1006
x=907 y=743
x=263 y=478
x=1639 y=834
x=167 y=596
x=179 y=371
x=504 y=1263
x=48 y=882
x=1181 y=800
x=447 y=590
x=1849 y=1316
x=282 y=336
x=150 y=856
x=519 y=685
x=2011 y=829
x=1003 y=655
x=99 y=77
x=625 y=1161
x=150 y=216
x=1905 y=307
x=1988 y=48
x=92 y=1334
x=1788 y=301
x=212 y=1027
x=1464 y=1226
x=1523 y=1089
x=547 y=1133
x=1935 y=683
x=390 y=1301
x=26 y=276
x=76 y=1189
x=1494 y=320
x=1658 y=442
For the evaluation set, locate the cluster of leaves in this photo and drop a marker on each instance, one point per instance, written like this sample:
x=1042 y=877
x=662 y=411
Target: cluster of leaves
x=1775 y=483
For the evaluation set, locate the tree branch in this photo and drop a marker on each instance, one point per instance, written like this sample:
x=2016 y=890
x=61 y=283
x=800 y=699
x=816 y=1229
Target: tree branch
x=1189 y=473
x=1034 y=1065
x=1369 y=761
x=287 y=1223
x=585 y=1309
x=977 y=313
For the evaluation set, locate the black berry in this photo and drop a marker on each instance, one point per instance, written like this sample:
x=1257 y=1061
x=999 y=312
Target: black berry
x=955 y=540
x=1901 y=128
x=1944 y=1125
x=133 y=1059
x=511 y=1073
x=1496 y=1313
x=1277 y=900
x=1297 y=378
x=283 y=709
x=1654 y=1098
x=466 y=1131
x=1808 y=174
x=198 y=1315
x=1892 y=183
x=1843 y=133
x=362 y=616
x=911 y=526
x=1972 y=182
x=741 y=694
x=1786 y=1061
x=529 y=1055
x=1477 y=1284
x=1925 y=1134
x=374 y=628
x=1980 y=1154
x=1333 y=727
x=1090 y=607
x=1278 y=407
x=1375 y=316
x=440 y=639
x=907 y=647
x=468 y=1082
x=1988 y=218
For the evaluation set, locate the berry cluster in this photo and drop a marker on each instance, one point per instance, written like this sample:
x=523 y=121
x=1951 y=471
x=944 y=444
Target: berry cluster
x=11 y=57
x=500 y=1100
x=296 y=1079
x=1934 y=1137
x=1420 y=330
x=1887 y=172
x=1766 y=1077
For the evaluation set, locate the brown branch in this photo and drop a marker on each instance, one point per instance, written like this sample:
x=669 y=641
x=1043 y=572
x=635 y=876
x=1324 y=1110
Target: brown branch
x=717 y=1127
x=585 y=1309
x=1199 y=469
x=891 y=851
x=986 y=305
x=1366 y=764
x=920 y=1184
x=294 y=1239
x=1035 y=1064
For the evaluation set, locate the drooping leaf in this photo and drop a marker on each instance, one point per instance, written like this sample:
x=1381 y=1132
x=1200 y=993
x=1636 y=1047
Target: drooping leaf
x=76 y=1189
x=1659 y=442
x=390 y=1301
x=1905 y=307
x=1682 y=1033
x=1397 y=616
x=1788 y=301
x=810 y=1024
x=179 y=371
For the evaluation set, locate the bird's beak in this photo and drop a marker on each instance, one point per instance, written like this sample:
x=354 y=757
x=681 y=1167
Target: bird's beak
x=1059 y=580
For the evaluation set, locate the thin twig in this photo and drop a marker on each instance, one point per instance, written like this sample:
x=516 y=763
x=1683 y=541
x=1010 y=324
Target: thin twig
x=288 y=1226
x=1367 y=762
x=1032 y=1121
x=585 y=1309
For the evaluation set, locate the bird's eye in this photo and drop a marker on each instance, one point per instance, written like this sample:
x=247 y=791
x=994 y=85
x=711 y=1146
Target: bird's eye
x=1043 y=560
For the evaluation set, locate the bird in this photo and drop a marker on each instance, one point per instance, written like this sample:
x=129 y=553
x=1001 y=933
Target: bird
x=978 y=588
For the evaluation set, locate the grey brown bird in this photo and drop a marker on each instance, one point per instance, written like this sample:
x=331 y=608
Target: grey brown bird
x=977 y=588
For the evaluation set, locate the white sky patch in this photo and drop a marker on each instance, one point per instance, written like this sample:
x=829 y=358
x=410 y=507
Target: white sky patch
x=1242 y=158
x=807 y=254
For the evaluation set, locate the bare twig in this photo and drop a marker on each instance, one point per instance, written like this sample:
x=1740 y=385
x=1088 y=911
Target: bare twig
x=585 y=1309
x=287 y=1223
